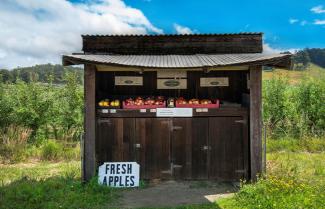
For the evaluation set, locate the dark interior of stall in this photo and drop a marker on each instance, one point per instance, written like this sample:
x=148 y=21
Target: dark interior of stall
x=235 y=93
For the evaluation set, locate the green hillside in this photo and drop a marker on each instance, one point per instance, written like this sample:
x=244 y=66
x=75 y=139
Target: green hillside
x=295 y=76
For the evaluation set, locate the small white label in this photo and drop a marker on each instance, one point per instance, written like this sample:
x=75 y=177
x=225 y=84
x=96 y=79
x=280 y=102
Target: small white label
x=143 y=110
x=174 y=112
x=198 y=110
x=104 y=110
x=112 y=111
x=153 y=110
x=205 y=110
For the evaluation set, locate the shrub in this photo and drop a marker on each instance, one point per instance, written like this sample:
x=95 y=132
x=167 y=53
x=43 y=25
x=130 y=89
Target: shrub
x=294 y=110
x=51 y=150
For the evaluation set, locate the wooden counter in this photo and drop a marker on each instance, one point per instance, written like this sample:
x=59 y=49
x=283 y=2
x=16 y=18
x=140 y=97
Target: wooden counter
x=197 y=112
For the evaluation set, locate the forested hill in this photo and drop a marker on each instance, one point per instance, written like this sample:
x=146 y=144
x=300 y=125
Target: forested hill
x=41 y=73
x=303 y=57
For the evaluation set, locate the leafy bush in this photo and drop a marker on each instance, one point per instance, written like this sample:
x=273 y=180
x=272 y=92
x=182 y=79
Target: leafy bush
x=51 y=150
x=294 y=110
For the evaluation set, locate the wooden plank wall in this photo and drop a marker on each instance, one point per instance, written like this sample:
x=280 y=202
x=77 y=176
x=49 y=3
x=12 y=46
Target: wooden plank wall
x=168 y=44
x=89 y=159
x=255 y=121
x=233 y=92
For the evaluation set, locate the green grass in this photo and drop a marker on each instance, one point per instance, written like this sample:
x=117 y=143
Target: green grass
x=312 y=145
x=295 y=179
x=50 y=185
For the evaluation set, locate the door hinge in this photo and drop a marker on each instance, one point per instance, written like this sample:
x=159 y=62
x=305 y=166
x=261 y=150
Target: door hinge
x=241 y=121
x=108 y=121
x=206 y=148
x=176 y=128
x=240 y=171
x=177 y=166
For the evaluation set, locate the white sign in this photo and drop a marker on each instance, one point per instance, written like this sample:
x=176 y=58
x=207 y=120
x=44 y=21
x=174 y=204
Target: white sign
x=174 y=112
x=119 y=174
x=128 y=81
x=171 y=83
x=214 y=81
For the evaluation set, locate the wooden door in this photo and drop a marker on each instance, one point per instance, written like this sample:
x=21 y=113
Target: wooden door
x=115 y=140
x=153 y=147
x=189 y=140
x=226 y=148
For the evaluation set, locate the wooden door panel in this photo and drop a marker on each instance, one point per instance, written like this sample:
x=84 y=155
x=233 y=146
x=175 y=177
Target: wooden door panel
x=199 y=148
x=115 y=140
x=181 y=141
x=153 y=136
x=226 y=148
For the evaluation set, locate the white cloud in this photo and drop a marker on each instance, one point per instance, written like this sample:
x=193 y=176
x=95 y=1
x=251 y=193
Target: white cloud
x=38 y=31
x=319 y=22
x=318 y=9
x=182 y=29
x=293 y=21
x=267 y=49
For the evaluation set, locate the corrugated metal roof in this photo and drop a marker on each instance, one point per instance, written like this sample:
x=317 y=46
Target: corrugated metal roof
x=197 y=34
x=179 y=61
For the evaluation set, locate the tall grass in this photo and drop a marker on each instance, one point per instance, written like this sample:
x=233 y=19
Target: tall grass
x=13 y=141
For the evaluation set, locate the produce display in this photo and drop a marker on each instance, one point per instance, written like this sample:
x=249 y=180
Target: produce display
x=159 y=102
x=141 y=103
x=107 y=103
x=196 y=103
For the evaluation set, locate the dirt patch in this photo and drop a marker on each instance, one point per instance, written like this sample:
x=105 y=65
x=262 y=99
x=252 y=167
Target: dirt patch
x=174 y=193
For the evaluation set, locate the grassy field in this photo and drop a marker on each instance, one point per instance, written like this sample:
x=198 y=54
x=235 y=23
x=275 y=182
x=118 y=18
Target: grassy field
x=295 y=179
x=295 y=76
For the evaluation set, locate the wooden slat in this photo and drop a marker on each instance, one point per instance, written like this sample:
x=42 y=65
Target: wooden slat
x=255 y=121
x=199 y=156
x=89 y=166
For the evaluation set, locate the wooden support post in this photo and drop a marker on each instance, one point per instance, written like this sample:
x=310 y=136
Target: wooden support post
x=255 y=121
x=89 y=160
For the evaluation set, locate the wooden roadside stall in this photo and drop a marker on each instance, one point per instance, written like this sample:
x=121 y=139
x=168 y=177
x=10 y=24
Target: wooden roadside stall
x=182 y=106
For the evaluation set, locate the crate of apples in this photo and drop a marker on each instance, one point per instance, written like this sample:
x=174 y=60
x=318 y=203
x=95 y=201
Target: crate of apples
x=141 y=103
x=197 y=103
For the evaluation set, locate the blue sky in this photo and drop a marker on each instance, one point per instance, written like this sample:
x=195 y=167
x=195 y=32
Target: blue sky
x=218 y=16
x=38 y=31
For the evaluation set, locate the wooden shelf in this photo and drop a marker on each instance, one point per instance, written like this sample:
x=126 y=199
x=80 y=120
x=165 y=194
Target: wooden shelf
x=197 y=112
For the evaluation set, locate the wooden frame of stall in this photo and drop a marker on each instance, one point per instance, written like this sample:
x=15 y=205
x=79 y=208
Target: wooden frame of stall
x=249 y=77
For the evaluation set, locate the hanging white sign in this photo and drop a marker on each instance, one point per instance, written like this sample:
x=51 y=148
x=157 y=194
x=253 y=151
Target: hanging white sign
x=119 y=174
x=214 y=81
